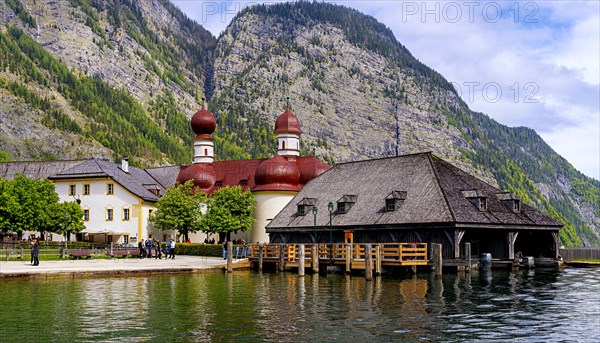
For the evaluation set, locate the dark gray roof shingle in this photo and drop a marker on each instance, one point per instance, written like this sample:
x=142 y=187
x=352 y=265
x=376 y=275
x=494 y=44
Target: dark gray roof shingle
x=35 y=170
x=166 y=176
x=434 y=192
x=137 y=181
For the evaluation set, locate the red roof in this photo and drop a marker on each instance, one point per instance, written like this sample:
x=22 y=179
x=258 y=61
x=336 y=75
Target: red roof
x=277 y=174
x=242 y=173
x=287 y=123
x=310 y=168
x=203 y=123
x=203 y=175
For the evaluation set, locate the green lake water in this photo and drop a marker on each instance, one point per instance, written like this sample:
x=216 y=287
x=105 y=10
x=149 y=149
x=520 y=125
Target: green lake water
x=246 y=306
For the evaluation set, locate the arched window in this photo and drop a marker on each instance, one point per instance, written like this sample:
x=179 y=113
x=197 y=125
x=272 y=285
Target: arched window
x=205 y=152
x=283 y=145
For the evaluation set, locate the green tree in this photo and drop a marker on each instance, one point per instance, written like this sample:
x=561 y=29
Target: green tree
x=229 y=210
x=8 y=205
x=27 y=204
x=180 y=209
x=67 y=218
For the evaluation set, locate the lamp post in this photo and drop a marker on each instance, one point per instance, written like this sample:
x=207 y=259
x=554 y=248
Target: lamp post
x=314 y=211
x=330 y=208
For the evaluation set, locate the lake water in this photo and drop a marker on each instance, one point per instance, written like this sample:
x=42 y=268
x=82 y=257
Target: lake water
x=246 y=306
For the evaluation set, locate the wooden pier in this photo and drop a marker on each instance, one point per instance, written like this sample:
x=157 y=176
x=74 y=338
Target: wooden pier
x=350 y=257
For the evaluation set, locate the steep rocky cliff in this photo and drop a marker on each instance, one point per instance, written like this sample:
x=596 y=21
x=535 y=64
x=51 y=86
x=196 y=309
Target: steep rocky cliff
x=120 y=78
x=361 y=94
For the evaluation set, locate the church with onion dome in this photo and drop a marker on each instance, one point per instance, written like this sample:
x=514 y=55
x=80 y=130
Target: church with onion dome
x=118 y=199
x=273 y=181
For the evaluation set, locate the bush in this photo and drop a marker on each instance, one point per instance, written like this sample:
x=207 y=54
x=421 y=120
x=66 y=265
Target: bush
x=215 y=250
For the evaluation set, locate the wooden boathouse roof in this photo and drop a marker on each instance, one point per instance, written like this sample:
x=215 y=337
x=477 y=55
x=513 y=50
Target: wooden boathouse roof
x=418 y=190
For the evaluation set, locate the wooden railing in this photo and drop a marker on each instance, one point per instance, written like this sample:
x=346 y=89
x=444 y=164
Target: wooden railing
x=390 y=254
x=580 y=254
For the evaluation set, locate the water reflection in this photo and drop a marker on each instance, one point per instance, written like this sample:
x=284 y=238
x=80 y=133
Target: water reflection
x=533 y=305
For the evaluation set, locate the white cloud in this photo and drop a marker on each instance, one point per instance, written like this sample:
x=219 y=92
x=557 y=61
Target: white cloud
x=543 y=56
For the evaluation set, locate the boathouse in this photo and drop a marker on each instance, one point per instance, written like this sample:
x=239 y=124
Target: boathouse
x=414 y=198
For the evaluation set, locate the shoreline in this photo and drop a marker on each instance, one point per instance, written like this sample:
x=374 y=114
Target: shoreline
x=582 y=264
x=111 y=267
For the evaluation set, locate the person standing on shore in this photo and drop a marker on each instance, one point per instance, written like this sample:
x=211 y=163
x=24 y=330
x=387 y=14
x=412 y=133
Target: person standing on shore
x=149 y=248
x=31 y=242
x=158 y=253
x=142 y=248
x=172 y=249
x=35 y=252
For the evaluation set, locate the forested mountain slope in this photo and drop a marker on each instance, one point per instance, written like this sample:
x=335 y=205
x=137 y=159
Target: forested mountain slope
x=100 y=78
x=119 y=78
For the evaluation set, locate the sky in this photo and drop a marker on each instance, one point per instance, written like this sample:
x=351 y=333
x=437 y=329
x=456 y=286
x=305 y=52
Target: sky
x=523 y=63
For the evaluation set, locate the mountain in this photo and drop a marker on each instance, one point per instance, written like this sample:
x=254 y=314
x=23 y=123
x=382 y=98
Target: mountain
x=120 y=78
x=100 y=79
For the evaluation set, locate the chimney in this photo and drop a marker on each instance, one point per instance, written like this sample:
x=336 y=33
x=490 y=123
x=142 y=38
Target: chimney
x=125 y=165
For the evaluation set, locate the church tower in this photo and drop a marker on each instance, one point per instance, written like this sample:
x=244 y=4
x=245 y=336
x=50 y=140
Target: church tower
x=287 y=131
x=202 y=171
x=204 y=124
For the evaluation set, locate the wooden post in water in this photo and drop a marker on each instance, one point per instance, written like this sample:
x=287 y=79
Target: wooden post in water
x=468 y=256
x=348 y=258
x=229 y=256
x=301 y=259
x=260 y=256
x=368 y=262
x=315 y=258
x=436 y=258
x=378 y=259
x=281 y=257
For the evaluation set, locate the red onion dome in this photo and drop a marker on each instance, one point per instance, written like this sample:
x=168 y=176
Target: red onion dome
x=310 y=167
x=203 y=175
x=287 y=123
x=203 y=122
x=277 y=174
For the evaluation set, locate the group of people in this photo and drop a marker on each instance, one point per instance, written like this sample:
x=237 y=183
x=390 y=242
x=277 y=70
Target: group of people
x=146 y=247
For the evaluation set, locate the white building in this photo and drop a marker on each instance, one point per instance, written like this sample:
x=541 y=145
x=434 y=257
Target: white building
x=117 y=199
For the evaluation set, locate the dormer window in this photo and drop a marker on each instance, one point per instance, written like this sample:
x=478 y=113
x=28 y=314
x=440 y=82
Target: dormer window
x=477 y=198
x=152 y=188
x=482 y=203
x=244 y=182
x=394 y=200
x=511 y=201
x=305 y=206
x=390 y=205
x=219 y=183
x=345 y=203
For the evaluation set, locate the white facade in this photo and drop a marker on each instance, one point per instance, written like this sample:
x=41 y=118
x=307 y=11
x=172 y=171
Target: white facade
x=288 y=144
x=268 y=205
x=111 y=212
x=204 y=151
